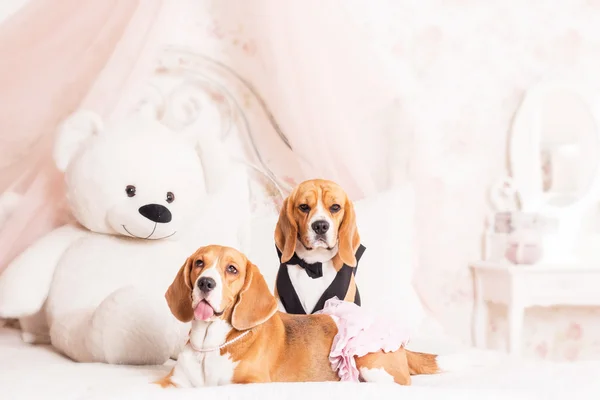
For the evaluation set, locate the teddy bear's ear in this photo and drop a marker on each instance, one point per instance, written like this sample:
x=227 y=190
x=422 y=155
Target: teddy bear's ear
x=72 y=134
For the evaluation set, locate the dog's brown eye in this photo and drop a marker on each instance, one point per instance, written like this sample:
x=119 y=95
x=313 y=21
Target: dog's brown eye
x=170 y=197
x=130 y=190
x=335 y=208
x=304 y=208
x=232 y=270
x=199 y=263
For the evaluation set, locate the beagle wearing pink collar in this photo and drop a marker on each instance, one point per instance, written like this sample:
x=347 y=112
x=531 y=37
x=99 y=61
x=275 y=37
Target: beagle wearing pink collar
x=319 y=248
x=239 y=336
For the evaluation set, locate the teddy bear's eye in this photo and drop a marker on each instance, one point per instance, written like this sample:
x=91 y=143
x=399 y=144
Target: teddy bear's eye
x=130 y=190
x=170 y=197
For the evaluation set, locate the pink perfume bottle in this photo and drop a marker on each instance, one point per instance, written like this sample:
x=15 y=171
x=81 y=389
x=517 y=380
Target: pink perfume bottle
x=524 y=247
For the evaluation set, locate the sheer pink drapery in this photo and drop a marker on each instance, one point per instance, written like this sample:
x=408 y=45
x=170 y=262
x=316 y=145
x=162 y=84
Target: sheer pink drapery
x=327 y=86
x=56 y=57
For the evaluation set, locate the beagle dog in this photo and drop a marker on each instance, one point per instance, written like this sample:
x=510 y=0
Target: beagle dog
x=318 y=246
x=239 y=336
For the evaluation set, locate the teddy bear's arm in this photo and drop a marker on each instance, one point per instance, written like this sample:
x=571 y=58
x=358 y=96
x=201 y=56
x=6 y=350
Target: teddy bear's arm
x=25 y=283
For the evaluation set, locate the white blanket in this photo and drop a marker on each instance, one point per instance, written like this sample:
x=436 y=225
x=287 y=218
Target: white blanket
x=38 y=372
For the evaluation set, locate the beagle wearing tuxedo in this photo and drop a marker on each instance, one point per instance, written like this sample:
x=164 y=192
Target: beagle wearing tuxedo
x=239 y=336
x=318 y=246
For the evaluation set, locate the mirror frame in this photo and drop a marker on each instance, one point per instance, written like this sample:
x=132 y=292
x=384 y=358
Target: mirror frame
x=524 y=144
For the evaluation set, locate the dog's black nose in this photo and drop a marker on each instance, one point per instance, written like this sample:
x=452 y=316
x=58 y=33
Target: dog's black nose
x=320 y=227
x=206 y=284
x=156 y=213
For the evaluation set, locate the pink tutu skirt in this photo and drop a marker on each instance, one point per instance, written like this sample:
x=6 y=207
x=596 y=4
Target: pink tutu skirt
x=359 y=333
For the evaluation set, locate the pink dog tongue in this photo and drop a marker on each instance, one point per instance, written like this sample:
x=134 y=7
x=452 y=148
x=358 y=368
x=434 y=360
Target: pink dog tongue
x=203 y=311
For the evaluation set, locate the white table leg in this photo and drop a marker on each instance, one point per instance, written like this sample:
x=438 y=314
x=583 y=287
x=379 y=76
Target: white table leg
x=480 y=316
x=515 y=328
x=481 y=321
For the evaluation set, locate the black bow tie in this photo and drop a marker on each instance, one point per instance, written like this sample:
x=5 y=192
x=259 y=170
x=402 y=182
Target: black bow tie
x=314 y=270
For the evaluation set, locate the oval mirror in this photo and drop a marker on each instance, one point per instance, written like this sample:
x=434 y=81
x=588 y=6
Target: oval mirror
x=555 y=149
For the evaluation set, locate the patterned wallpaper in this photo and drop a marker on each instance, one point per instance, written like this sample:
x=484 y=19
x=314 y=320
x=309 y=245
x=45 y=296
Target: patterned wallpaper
x=463 y=66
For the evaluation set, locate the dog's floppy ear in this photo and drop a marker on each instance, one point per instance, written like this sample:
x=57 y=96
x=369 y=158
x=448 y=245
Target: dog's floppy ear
x=255 y=303
x=179 y=294
x=348 y=237
x=286 y=230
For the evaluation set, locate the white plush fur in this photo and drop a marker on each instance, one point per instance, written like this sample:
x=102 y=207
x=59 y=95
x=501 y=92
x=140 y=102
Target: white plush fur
x=101 y=283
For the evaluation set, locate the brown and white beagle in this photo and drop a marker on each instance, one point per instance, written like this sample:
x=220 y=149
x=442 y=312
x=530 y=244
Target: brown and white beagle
x=238 y=336
x=319 y=248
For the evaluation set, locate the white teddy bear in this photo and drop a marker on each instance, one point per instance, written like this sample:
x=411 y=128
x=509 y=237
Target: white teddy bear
x=133 y=186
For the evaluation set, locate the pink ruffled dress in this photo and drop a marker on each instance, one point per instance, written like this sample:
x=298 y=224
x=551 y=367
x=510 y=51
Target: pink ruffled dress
x=359 y=333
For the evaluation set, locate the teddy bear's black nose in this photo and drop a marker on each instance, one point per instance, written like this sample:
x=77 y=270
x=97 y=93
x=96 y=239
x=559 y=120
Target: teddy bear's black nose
x=156 y=213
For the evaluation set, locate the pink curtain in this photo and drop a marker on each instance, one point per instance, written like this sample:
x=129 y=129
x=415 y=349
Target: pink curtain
x=58 y=56
x=327 y=86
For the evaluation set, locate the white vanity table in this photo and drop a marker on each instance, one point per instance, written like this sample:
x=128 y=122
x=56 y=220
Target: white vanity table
x=554 y=158
x=523 y=286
